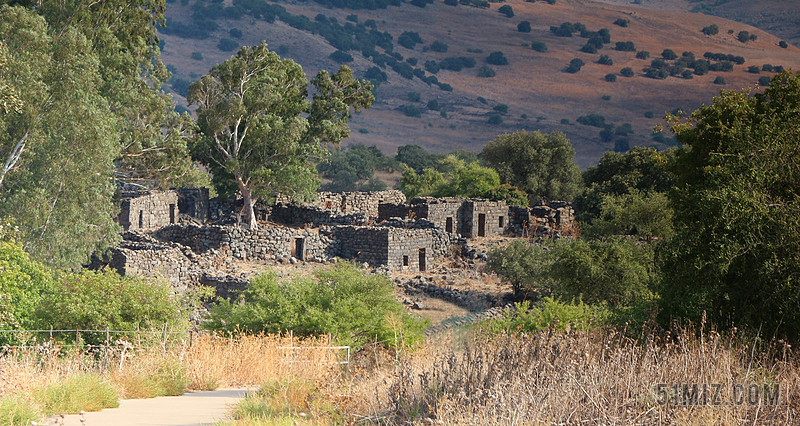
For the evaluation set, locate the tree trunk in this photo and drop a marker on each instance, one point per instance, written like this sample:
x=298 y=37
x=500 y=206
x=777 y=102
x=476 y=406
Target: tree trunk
x=248 y=203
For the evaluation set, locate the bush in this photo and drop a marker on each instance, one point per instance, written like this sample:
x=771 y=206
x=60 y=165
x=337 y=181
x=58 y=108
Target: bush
x=432 y=67
x=497 y=58
x=575 y=65
x=482 y=100
x=94 y=300
x=687 y=74
x=625 y=46
x=538 y=46
x=669 y=54
x=642 y=54
x=227 y=45
x=344 y=300
x=341 y=57
x=764 y=81
x=649 y=114
x=375 y=74
x=235 y=33
x=589 y=48
x=352 y=18
x=486 y=71
x=414 y=96
x=18 y=411
x=605 y=60
x=524 y=264
x=451 y=2
x=616 y=271
x=501 y=108
x=712 y=29
x=643 y=214
x=411 y=111
x=753 y=69
x=622 y=22
x=506 y=10
x=783 y=44
x=439 y=46
x=743 y=36
x=595 y=120
x=627 y=72
x=409 y=39
x=622 y=145
x=552 y=313
x=767 y=68
x=495 y=119
x=23 y=283
x=197 y=56
x=611 y=78
x=524 y=27
x=73 y=394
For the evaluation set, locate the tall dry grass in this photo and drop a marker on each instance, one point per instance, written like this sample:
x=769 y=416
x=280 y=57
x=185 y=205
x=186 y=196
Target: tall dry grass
x=600 y=377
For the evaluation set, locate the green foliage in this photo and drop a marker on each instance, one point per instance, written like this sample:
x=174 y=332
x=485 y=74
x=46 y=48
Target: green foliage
x=94 y=300
x=642 y=170
x=595 y=120
x=764 y=81
x=495 y=119
x=468 y=180
x=524 y=264
x=23 y=283
x=263 y=143
x=235 y=33
x=482 y=100
x=743 y=36
x=350 y=303
x=783 y=44
x=508 y=193
x=605 y=60
x=456 y=63
x=538 y=46
x=411 y=111
x=735 y=254
x=18 y=411
x=227 y=45
x=439 y=46
x=539 y=164
x=753 y=69
x=669 y=54
x=197 y=56
x=575 y=65
x=552 y=313
x=353 y=169
x=616 y=271
x=625 y=46
x=642 y=54
x=418 y=185
x=417 y=158
x=622 y=22
x=409 y=39
x=627 y=72
x=501 y=108
x=85 y=392
x=611 y=77
x=414 y=96
x=497 y=58
x=641 y=214
x=712 y=29
x=589 y=48
x=506 y=10
x=524 y=27
x=486 y=72
x=341 y=57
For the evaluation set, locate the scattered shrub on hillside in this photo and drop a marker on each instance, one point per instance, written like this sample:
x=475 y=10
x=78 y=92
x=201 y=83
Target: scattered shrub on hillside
x=565 y=121
x=524 y=27
x=341 y=57
x=227 y=45
x=753 y=69
x=625 y=46
x=439 y=46
x=649 y=114
x=495 y=119
x=497 y=58
x=506 y=10
x=411 y=111
x=644 y=214
x=501 y=108
x=352 y=18
x=404 y=69
x=432 y=67
x=375 y=74
x=669 y=54
x=656 y=73
x=197 y=56
x=687 y=74
x=764 y=81
x=712 y=29
x=611 y=77
x=451 y=2
x=745 y=36
x=595 y=120
x=414 y=96
x=482 y=100
x=589 y=48
x=642 y=54
x=767 y=68
x=627 y=72
x=538 y=46
x=235 y=33
x=783 y=44
x=622 y=145
x=622 y=22
x=605 y=60
x=575 y=65
x=409 y=39
x=433 y=105
x=486 y=72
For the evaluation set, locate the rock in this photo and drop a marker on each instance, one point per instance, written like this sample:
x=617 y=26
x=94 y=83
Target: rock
x=417 y=305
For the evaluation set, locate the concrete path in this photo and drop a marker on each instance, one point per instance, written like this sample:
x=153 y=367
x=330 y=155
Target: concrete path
x=190 y=409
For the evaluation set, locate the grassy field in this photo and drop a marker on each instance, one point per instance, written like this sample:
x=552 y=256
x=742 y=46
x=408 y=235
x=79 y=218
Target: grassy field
x=539 y=94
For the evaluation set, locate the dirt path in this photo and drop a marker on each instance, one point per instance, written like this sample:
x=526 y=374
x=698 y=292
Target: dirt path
x=191 y=409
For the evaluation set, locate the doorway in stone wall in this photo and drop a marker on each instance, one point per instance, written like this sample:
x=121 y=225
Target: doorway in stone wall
x=141 y=219
x=172 y=213
x=422 y=264
x=448 y=226
x=298 y=248
x=481 y=225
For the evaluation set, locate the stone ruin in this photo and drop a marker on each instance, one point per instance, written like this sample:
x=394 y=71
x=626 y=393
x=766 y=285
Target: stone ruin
x=186 y=238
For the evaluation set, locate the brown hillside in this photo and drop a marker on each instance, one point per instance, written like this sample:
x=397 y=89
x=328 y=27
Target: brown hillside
x=533 y=84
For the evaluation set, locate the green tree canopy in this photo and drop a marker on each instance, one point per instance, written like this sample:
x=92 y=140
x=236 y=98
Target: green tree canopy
x=537 y=163
x=259 y=130
x=736 y=253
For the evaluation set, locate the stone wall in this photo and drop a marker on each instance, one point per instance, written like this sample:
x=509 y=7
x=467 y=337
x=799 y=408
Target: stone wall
x=148 y=210
x=398 y=248
x=542 y=219
x=266 y=243
x=290 y=214
x=194 y=202
x=484 y=218
x=344 y=203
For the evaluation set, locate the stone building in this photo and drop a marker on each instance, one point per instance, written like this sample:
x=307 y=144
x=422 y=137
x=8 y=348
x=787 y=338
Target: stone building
x=467 y=218
x=148 y=210
x=398 y=248
x=344 y=203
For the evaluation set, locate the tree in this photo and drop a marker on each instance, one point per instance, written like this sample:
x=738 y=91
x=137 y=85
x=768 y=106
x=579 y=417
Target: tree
x=497 y=58
x=439 y=46
x=605 y=60
x=719 y=80
x=537 y=163
x=743 y=36
x=466 y=180
x=23 y=283
x=261 y=132
x=495 y=119
x=736 y=253
x=417 y=158
x=486 y=72
x=417 y=185
x=627 y=72
x=524 y=27
x=642 y=54
x=611 y=78
x=539 y=46
x=712 y=29
x=669 y=54
x=783 y=44
x=575 y=65
x=506 y=10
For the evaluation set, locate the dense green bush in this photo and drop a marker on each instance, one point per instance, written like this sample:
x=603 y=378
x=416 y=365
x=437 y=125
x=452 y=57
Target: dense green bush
x=352 y=304
x=495 y=119
x=595 y=120
x=524 y=264
x=753 y=69
x=486 y=72
x=411 y=111
x=575 y=65
x=605 y=60
x=409 y=39
x=341 y=57
x=235 y=33
x=627 y=72
x=501 y=108
x=538 y=46
x=227 y=45
x=197 y=56
x=432 y=67
x=669 y=54
x=94 y=300
x=433 y=105
x=524 y=27
x=23 y=284
x=783 y=44
x=764 y=81
x=439 y=46
x=497 y=58
x=414 y=96
x=611 y=78
x=506 y=10
x=625 y=46
x=712 y=29
x=641 y=214
x=622 y=22
x=642 y=54
x=589 y=48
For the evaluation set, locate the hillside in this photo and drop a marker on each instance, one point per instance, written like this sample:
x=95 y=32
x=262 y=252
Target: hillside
x=538 y=92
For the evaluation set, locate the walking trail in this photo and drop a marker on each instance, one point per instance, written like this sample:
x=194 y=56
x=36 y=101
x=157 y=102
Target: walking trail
x=190 y=409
